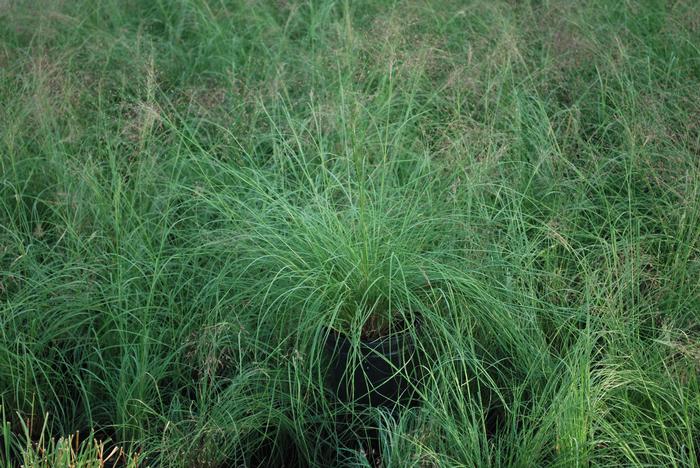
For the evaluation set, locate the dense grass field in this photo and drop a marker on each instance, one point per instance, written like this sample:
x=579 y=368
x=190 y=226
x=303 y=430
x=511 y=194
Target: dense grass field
x=194 y=192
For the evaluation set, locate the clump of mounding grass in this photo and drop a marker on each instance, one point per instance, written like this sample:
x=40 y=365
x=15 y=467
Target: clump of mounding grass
x=191 y=192
x=353 y=258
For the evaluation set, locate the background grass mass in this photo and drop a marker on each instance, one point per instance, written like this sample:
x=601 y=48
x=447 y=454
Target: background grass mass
x=192 y=191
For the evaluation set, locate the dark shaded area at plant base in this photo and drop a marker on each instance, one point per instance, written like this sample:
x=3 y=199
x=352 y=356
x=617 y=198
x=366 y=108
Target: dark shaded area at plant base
x=381 y=372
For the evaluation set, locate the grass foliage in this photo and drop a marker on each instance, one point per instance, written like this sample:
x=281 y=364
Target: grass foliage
x=193 y=193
